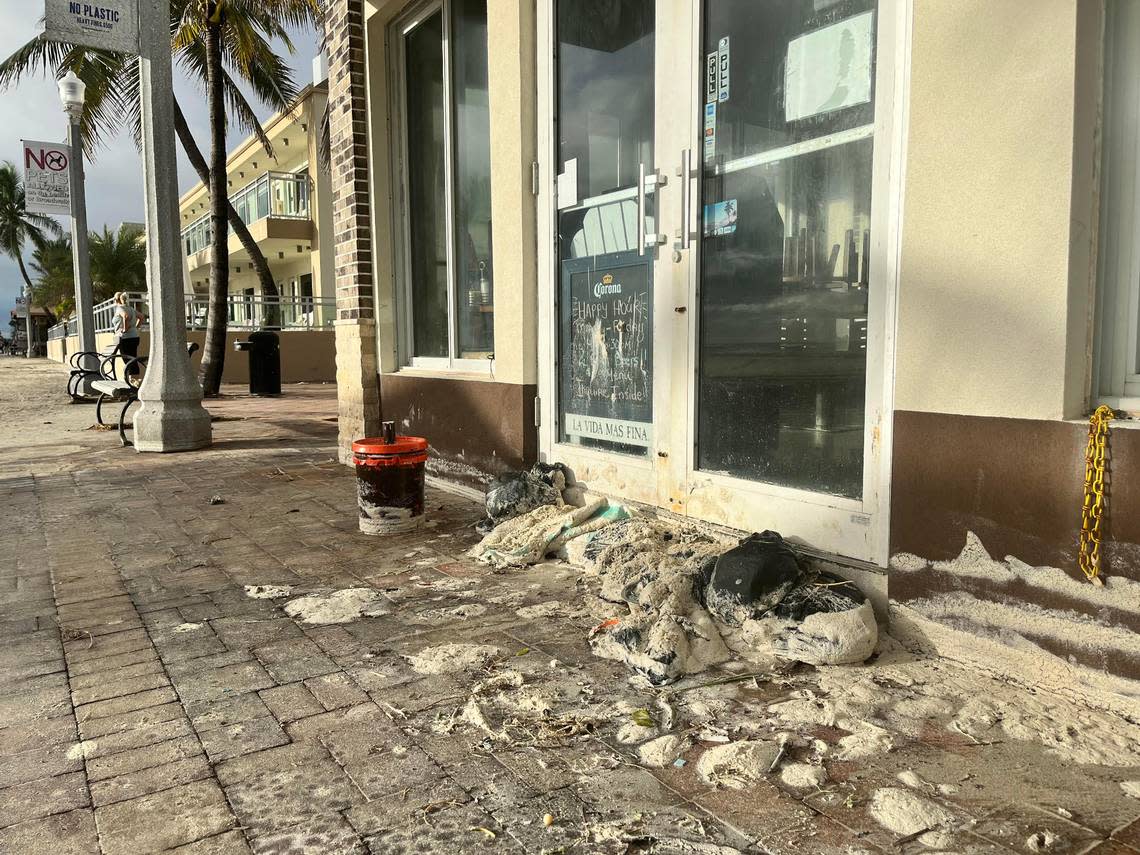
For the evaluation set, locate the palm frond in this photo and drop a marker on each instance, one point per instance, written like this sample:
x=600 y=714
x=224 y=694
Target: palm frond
x=37 y=57
x=104 y=106
x=269 y=76
x=238 y=108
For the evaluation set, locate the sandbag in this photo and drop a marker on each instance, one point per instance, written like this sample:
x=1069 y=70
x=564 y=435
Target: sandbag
x=752 y=578
x=662 y=648
x=529 y=538
x=825 y=620
x=513 y=494
x=823 y=592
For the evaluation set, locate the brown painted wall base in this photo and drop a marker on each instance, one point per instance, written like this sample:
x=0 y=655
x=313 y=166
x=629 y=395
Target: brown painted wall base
x=1018 y=485
x=476 y=428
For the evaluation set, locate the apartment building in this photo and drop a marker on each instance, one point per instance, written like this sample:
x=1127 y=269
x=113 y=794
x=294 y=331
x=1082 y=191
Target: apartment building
x=284 y=198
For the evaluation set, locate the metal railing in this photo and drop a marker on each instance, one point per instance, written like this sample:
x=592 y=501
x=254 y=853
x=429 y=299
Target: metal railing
x=284 y=195
x=105 y=312
x=251 y=312
x=63 y=329
x=246 y=312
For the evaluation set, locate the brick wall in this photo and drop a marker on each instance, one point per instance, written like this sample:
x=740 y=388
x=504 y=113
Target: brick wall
x=358 y=389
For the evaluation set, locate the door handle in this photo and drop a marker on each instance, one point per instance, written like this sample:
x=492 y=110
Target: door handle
x=641 y=209
x=686 y=174
x=647 y=182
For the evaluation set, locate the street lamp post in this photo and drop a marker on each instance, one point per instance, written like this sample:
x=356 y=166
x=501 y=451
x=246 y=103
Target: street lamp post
x=28 y=319
x=71 y=95
x=171 y=417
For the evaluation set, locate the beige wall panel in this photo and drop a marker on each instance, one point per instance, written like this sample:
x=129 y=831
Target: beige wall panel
x=511 y=71
x=306 y=357
x=986 y=267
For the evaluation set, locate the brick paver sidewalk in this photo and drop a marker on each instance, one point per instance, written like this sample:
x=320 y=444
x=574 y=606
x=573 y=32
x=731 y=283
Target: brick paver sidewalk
x=149 y=703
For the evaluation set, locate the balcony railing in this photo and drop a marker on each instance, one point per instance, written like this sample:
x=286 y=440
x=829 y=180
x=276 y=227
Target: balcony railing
x=246 y=312
x=105 y=311
x=283 y=195
x=252 y=312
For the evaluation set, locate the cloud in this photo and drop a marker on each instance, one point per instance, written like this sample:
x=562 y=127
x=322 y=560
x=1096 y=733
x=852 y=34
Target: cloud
x=114 y=178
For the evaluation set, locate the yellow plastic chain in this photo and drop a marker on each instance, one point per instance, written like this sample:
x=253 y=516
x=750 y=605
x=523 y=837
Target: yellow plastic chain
x=1092 y=510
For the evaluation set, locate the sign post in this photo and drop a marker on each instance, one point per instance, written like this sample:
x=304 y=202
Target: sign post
x=47 y=170
x=80 y=253
x=28 y=320
x=172 y=417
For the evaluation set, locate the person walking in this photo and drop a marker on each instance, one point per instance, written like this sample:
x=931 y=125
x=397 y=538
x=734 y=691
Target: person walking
x=126 y=324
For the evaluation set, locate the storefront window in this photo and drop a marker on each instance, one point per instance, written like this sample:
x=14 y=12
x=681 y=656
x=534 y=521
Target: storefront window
x=446 y=209
x=1117 y=367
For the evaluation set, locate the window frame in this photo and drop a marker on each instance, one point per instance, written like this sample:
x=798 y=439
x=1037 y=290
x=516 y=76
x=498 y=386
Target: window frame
x=1116 y=370
x=397 y=34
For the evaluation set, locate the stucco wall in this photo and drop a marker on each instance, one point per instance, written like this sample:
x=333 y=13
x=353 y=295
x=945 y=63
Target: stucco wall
x=57 y=349
x=996 y=171
x=511 y=75
x=306 y=357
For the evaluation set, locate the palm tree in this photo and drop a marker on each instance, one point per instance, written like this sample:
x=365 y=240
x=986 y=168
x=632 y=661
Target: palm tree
x=118 y=261
x=54 y=290
x=17 y=226
x=212 y=40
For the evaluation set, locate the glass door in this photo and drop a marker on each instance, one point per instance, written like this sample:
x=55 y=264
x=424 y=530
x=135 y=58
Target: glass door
x=716 y=322
x=612 y=266
x=791 y=285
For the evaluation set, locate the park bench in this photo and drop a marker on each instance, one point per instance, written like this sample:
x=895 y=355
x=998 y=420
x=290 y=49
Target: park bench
x=115 y=382
x=79 y=371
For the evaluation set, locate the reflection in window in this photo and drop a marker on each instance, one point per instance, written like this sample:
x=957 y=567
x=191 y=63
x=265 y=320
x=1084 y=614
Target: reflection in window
x=605 y=66
x=1117 y=366
x=446 y=114
x=427 y=199
x=786 y=195
x=472 y=178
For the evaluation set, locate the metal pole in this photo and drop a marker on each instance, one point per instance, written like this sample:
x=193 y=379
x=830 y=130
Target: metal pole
x=81 y=257
x=28 y=319
x=171 y=417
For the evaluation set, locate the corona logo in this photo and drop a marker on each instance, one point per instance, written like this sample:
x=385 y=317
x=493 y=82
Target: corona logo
x=607 y=286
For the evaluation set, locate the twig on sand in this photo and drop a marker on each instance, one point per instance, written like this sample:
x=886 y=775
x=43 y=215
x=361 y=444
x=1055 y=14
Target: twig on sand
x=735 y=678
x=779 y=756
x=903 y=841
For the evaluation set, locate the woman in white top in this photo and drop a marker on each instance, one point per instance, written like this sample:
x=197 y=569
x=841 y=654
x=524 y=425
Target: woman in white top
x=126 y=324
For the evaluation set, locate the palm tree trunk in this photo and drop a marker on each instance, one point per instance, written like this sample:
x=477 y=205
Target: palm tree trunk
x=237 y=224
x=214 y=353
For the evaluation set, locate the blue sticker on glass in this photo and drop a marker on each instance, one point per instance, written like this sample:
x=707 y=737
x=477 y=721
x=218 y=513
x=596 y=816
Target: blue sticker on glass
x=720 y=218
x=710 y=131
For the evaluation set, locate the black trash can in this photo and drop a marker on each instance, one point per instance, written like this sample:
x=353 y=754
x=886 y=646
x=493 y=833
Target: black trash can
x=264 y=350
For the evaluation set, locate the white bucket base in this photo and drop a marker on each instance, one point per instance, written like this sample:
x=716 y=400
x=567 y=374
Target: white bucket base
x=389 y=521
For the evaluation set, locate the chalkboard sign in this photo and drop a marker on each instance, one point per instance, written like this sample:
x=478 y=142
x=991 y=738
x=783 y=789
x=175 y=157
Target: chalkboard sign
x=607 y=351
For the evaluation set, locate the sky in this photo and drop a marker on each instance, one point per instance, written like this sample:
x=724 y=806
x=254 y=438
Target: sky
x=31 y=110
